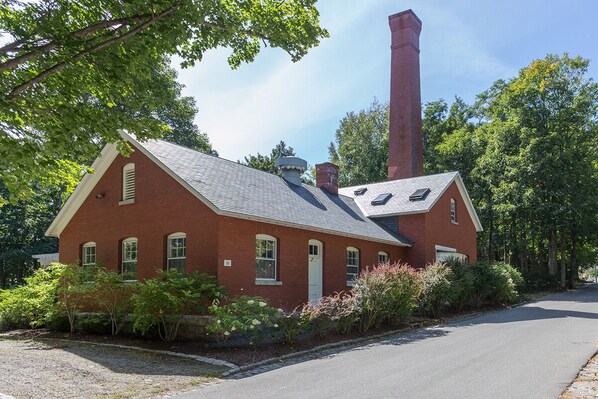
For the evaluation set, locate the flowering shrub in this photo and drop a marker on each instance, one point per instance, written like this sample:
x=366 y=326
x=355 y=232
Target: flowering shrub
x=370 y=290
x=337 y=312
x=387 y=292
x=437 y=287
x=243 y=314
x=404 y=288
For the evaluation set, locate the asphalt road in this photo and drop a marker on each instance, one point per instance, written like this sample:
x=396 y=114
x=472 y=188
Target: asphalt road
x=532 y=351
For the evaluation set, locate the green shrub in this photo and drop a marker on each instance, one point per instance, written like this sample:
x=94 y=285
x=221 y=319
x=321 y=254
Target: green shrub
x=496 y=283
x=34 y=304
x=72 y=291
x=94 y=324
x=437 y=288
x=242 y=315
x=463 y=282
x=113 y=294
x=290 y=325
x=161 y=302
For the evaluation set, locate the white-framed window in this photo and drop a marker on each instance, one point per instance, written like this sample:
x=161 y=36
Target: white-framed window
x=88 y=254
x=265 y=257
x=129 y=258
x=383 y=257
x=177 y=252
x=352 y=265
x=128 y=182
x=453 y=211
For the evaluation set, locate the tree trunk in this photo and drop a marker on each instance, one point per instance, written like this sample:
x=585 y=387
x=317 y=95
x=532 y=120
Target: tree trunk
x=542 y=267
x=574 y=272
x=490 y=248
x=552 y=262
x=563 y=261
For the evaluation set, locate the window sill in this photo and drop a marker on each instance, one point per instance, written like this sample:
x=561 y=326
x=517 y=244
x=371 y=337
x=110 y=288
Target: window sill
x=127 y=202
x=267 y=282
x=349 y=284
x=455 y=223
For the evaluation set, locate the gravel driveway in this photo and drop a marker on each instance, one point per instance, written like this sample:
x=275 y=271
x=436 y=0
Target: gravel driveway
x=47 y=369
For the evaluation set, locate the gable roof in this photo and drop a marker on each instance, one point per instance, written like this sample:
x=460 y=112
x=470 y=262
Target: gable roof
x=399 y=203
x=232 y=189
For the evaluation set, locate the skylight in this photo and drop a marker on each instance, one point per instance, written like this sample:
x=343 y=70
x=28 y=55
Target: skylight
x=381 y=199
x=419 y=194
x=360 y=191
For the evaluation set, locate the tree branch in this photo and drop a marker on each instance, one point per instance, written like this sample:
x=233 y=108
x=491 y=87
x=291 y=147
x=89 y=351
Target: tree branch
x=248 y=32
x=52 y=45
x=55 y=68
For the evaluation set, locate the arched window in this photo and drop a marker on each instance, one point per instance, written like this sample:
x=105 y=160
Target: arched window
x=129 y=258
x=453 y=211
x=265 y=257
x=129 y=183
x=88 y=254
x=383 y=257
x=177 y=252
x=352 y=265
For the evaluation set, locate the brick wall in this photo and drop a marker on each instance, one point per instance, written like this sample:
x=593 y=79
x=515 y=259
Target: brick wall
x=237 y=244
x=440 y=231
x=162 y=207
x=427 y=230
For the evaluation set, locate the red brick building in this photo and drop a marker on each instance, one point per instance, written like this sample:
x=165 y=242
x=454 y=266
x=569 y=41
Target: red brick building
x=167 y=206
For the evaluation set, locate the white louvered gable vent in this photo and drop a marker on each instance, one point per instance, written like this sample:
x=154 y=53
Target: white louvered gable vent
x=129 y=182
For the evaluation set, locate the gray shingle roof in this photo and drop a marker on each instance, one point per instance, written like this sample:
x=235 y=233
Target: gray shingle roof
x=399 y=203
x=238 y=190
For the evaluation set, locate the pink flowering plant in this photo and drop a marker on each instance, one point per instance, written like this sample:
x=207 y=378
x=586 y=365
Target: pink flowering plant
x=242 y=315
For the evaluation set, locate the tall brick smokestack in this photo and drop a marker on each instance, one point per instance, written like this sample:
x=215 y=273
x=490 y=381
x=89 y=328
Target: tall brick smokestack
x=405 y=153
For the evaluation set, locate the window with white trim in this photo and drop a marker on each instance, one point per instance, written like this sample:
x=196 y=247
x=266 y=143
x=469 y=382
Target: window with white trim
x=383 y=257
x=129 y=258
x=265 y=257
x=177 y=252
x=129 y=182
x=88 y=255
x=352 y=265
x=453 y=211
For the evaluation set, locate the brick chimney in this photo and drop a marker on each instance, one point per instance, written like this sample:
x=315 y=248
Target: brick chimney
x=327 y=177
x=405 y=152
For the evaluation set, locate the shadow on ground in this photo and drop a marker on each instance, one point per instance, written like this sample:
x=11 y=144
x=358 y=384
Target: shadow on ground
x=131 y=361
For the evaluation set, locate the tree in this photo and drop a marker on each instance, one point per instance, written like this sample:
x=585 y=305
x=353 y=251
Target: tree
x=541 y=158
x=361 y=148
x=266 y=162
x=22 y=228
x=72 y=74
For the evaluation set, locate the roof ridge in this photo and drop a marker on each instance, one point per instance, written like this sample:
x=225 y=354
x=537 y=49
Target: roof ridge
x=398 y=180
x=216 y=157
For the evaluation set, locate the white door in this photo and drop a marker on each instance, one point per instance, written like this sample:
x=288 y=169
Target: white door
x=314 y=266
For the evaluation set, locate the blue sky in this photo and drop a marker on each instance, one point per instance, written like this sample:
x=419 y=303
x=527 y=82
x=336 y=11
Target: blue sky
x=465 y=46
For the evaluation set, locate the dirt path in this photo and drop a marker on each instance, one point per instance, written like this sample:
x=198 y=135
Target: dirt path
x=35 y=369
